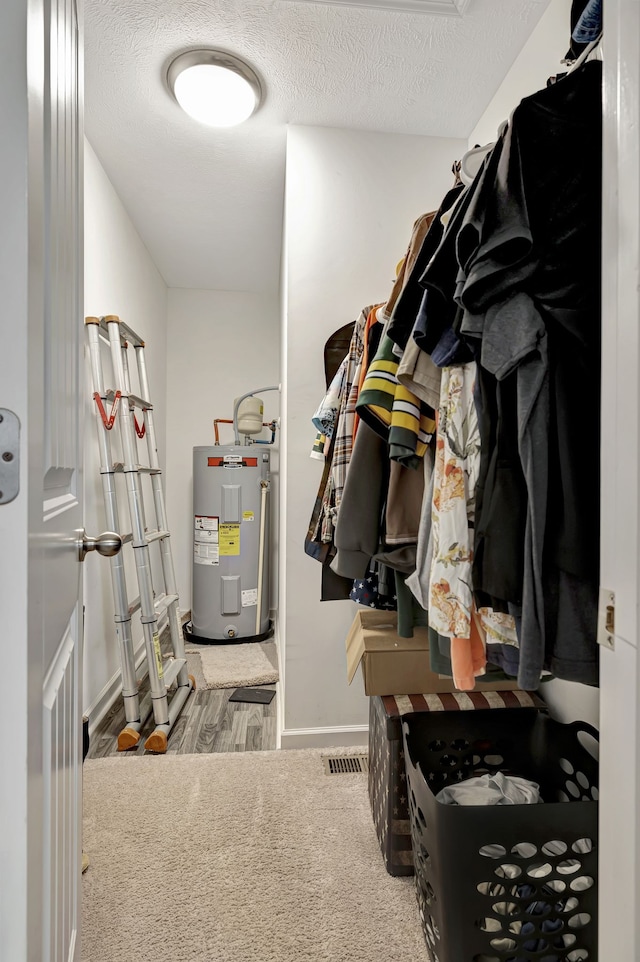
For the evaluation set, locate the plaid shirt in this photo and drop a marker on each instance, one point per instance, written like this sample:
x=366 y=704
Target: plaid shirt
x=346 y=418
x=342 y=442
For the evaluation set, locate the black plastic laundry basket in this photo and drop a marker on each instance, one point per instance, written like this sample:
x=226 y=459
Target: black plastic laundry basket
x=504 y=883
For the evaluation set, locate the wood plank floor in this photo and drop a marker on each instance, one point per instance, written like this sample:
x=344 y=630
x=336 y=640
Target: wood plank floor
x=208 y=723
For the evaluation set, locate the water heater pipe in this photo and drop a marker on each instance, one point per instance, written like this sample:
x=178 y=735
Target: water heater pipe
x=239 y=401
x=263 y=518
x=265 y=424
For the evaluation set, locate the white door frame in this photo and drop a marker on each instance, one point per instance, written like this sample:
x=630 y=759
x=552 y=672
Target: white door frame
x=619 y=860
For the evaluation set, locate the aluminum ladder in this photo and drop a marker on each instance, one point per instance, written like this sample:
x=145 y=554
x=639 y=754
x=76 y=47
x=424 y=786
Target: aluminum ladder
x=163 y=673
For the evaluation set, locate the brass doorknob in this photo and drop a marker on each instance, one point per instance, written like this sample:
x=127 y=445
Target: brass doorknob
x=107 y=544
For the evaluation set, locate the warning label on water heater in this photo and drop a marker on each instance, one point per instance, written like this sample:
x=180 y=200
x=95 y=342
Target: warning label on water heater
x=206 y=547
x=206 y=554
x=250 y=598
x=229 y=540
x=205 y=522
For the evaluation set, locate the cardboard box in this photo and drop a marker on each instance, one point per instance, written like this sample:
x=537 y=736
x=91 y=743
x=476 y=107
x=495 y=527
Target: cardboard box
x=392 y=665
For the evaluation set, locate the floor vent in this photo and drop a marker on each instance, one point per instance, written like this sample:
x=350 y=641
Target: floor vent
x=345 y=764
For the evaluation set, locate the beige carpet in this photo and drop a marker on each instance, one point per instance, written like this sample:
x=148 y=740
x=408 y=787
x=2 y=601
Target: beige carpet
x=256 y=857
x=233 y=666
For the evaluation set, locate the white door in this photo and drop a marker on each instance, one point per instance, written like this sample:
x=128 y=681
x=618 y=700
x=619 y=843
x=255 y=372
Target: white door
x=40 y=575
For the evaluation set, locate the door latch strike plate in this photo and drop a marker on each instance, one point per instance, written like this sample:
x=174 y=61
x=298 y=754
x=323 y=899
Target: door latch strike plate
x=607 y=618
x=9 y=455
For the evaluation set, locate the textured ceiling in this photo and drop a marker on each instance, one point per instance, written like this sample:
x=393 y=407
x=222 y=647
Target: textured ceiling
x=208 y=203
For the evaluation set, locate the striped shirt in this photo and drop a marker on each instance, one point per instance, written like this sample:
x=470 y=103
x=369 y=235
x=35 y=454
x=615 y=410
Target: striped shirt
x=394 y=412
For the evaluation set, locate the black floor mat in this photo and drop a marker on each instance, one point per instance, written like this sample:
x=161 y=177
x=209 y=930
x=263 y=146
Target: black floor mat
x=257 y=696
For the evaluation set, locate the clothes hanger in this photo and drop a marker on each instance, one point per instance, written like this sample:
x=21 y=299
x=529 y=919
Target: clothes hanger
x=594 y=47
x=473 y=160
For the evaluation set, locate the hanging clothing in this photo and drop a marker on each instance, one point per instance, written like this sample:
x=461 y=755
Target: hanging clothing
x=452 y=612
x=437 y=311
x=577 y=44
x=535 y=235
x=418 y=234
x=405 y=495
x=320 y=447
x=454 y=480
x=374 y=591
x=333 y=587
x=360 y=531
x=410 y=614
x=392 y=411
x=440 y=654
x=372 y=336
x=336 y=349
x=468 y=657
x=419 y=581
x=357 y=529
x=589 y=26
x=338 y=452
x=486 y=514
x=418 y=373
x=345 y=424
x=326 y=417
x=404 y=314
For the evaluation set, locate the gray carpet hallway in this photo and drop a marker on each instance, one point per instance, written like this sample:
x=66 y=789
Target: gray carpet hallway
x=250 y=857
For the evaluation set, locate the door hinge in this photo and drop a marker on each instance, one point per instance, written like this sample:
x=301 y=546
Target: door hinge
x=607 y=618
x=9 y=455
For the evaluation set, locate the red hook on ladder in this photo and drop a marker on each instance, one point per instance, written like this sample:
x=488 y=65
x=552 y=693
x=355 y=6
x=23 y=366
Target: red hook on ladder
x=140 y=431
x=111 y=419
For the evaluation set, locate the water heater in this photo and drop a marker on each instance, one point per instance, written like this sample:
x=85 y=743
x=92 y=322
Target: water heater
x=230 y=596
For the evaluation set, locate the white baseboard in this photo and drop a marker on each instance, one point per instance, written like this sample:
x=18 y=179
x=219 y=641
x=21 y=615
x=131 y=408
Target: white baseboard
x=280 y=697
x=345 y=737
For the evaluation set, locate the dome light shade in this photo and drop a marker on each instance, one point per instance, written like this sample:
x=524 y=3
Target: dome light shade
x=215 y=88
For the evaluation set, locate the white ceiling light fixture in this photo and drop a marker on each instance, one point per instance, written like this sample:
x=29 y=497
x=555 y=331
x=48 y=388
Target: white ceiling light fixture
x=214 y=87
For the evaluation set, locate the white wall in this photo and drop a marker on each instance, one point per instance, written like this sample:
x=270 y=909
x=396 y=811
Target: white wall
x=120 y=278
x=540 y=59
x=220 y=344
x=351 y=200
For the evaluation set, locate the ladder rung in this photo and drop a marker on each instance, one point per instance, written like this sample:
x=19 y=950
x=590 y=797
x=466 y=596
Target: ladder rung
x=149 y=536
x=118 y=467
x=126 y=334
x=138 y=402
x=160 y=603
x=130 y=335
x=171 y=669
x=155 y=535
